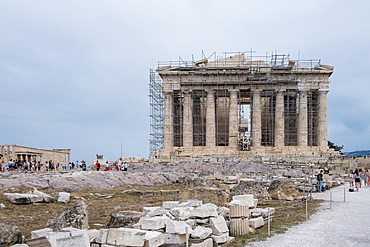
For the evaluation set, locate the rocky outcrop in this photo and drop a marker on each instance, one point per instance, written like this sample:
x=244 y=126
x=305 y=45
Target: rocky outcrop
x=124 y=219
x=9 y=235
x=281 y=190
x=220 y=197
x=197 y=181
x=76 y=217
x=256 y=188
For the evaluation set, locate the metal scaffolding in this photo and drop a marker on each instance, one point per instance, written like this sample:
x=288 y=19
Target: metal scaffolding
x=156 y=101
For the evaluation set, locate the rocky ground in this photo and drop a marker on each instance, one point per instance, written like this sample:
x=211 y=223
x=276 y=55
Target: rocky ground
x=145 y=185
x=143 y=175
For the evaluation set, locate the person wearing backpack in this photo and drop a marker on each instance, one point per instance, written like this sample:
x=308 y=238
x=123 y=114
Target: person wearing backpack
x=319 y=182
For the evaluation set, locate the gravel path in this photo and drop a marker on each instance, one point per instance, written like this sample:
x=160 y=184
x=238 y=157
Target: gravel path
x=346 y=224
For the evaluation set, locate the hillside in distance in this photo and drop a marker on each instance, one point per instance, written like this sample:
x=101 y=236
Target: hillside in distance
x=357 y=153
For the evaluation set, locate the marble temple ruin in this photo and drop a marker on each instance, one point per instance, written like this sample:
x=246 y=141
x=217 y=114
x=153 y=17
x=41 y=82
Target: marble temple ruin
x=239 y=105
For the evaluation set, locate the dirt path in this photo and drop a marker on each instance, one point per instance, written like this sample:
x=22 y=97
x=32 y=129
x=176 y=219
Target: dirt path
x=346 y=224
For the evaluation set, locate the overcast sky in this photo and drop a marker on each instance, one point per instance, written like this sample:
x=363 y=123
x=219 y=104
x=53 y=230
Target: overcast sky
x=74 y=74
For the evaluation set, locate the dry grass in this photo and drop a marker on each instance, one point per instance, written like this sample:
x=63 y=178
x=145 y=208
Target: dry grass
x=32 y=217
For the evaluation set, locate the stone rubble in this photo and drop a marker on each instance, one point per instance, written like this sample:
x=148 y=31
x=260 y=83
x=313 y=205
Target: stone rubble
x=204 y=224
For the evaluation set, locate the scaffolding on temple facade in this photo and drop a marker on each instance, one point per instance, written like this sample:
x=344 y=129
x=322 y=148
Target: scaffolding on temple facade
x=270 y=93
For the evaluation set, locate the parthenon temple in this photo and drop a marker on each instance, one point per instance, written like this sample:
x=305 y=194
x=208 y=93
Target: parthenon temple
x=239 y=105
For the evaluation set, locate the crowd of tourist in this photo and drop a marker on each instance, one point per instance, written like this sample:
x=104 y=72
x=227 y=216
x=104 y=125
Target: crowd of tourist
x=359 y=178
x=17 y=165
x=119 y=165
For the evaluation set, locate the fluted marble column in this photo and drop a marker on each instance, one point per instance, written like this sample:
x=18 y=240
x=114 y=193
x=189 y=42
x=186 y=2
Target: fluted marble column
x=168 y=120
x=256 y=119
x=233 y=119
x=210 y=120
x=302 y=119
x=279 y=119
x=187 y=121
x=323 y=119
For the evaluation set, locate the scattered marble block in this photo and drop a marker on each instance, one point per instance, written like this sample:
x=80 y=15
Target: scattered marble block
x=75 y=238
x=218 y=225
x=178 y=227
x=201 y=232
x=195 y=203
x=170 y=238
x=102 y=236
x=248 y=198
x=204 y=211
x=181 y=213
x=255 y=212
x=154 y=223
x=158 y=212
x=64 y=197
x=40 y=233
x=93 y=233
x=170 y=204
x=126 y=236
x=223 y=238
x=223 y=211
x=153 y=239
x=147 y=210
x=264 y=212
x=256 y=222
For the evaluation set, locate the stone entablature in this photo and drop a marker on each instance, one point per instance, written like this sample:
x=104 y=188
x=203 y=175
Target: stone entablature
x=202 y=102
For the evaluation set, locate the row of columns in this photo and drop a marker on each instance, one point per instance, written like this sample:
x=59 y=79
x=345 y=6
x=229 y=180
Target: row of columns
x=210 y=120
x=302 y=131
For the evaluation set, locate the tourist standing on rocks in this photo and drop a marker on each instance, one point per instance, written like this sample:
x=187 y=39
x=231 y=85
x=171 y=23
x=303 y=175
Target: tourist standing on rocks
x=351 y=179
x=106 y=166
x=83 y=165
x=319 y=181
x=120 y=164
x=357 y=180
x=97 y=164
x=2 y=166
